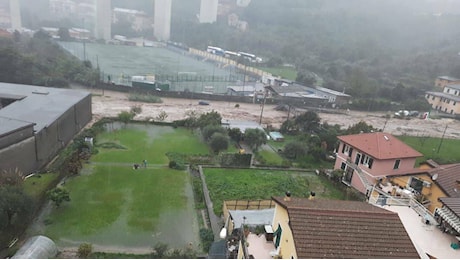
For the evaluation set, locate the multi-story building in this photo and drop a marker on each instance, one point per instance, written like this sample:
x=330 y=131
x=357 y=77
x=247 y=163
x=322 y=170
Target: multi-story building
x=104 y=20
x=442 y=81
x=368 y=157
x=208 y=11
x=447 y=101
x=162 y=20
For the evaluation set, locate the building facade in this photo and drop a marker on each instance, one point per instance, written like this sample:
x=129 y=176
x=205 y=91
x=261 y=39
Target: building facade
x=208 y=11
x=162 y=20
x=103 y=20
x=447 y=101
x=38 y=123
x=442 y=81
x=368 y=157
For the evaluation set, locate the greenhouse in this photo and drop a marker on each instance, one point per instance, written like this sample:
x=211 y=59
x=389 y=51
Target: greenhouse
x=37 y=247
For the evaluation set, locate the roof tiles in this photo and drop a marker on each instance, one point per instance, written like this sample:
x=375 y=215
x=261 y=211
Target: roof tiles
x=346 y=229
x=380 y=145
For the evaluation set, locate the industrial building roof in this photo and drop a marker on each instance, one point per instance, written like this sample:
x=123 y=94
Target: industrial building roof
x=8 y=125
x=40 y=106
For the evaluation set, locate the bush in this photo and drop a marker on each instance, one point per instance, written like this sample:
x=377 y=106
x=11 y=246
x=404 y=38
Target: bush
x=207 y=238
x=84 y=250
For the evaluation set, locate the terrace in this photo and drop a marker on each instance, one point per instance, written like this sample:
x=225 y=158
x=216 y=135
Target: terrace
x=428 y=238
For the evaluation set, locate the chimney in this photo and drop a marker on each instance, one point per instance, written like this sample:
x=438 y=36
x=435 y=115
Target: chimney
x=312 y=195
x=288 y=196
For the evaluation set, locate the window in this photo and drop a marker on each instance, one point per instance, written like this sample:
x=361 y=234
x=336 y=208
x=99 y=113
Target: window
x=343 y=166
x=416 y=184
x=367 y=161
x=396 y=166
x=455 y=103
x=358 y=158
x=347 y=150
x=277 y=234
x=432 y=98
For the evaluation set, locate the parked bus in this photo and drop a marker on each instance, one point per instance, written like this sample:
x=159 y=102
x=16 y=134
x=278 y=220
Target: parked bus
x=250 y=57
x=231 y=54
x=216 y=50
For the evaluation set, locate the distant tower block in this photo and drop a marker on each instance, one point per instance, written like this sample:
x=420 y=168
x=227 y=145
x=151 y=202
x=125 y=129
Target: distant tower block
x=208 y=11
x=103 y=19
x=162 y=20
x=15 y=15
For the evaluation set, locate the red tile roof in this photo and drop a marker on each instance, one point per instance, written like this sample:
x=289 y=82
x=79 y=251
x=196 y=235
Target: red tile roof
x=447 y=177
x=346 y=229
x=380 y=145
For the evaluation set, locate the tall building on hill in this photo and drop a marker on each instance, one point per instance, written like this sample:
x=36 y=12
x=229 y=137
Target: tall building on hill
x=208 y=11
x=15 y=15
x=162 y=20
x=103 y=19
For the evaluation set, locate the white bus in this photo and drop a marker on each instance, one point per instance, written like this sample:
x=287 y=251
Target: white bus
x=216 y=50
x=250 y=57
x=231 y=54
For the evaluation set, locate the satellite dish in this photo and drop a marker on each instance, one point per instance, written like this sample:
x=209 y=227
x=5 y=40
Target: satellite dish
x=434 y=177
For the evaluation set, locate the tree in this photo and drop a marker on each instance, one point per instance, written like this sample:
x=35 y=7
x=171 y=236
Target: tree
x=308 y=122
x=58 y=195
x=208 y=131
x=218 y=142
x=255 y=138
x=16 y=208
x=64 y=34
x=125 y=116
x=360 y=127
x=12 y=177
x=210 y=118
x=235 y=134
x=295 y=150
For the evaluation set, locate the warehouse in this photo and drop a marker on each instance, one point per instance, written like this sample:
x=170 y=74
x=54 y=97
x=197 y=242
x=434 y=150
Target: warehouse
x=37 y=122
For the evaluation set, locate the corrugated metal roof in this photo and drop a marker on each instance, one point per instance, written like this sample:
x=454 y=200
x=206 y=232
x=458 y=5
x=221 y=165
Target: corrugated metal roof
x=41 y=105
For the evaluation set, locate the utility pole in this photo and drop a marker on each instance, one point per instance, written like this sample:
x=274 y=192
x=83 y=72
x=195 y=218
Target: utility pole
x=442 y=139
x=262 y=110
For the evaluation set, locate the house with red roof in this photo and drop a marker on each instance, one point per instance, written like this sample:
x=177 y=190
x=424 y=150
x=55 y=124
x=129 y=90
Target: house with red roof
x=368 y=157
x=318 y=228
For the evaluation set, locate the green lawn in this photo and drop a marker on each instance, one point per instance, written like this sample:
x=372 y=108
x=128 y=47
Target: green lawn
x=36 y=185
x=252 y=184
x=429 y=146
x=270 y=157
x=284 y=72
x=114 y=205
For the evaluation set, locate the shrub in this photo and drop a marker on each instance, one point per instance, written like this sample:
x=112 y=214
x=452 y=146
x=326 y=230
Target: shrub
x=207 y=238
x=84 y=250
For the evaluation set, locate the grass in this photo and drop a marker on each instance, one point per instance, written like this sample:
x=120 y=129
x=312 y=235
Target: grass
x=36 y=185
x=144 y=145
x=284 y=72
x=253 y=184
x=428 y=146
x=270 y=157
x=113 y=204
